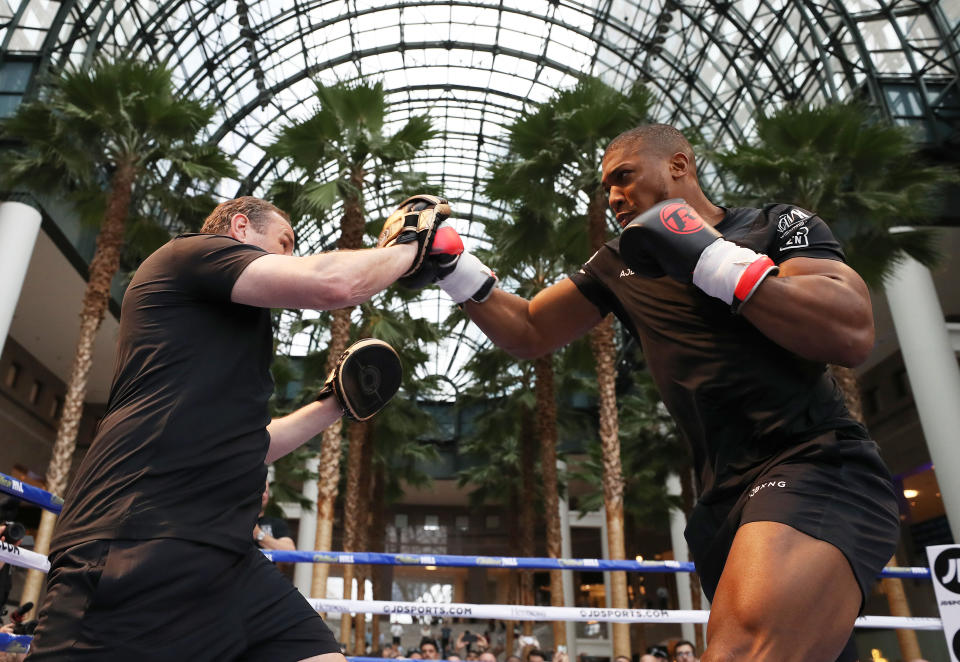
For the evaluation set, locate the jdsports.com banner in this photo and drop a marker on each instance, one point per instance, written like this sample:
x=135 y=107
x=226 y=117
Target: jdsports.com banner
x=945 y=567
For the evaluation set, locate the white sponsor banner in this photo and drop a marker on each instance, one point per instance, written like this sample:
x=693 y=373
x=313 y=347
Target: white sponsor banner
x=23 y=557
x=526 y=613
x=945 y=570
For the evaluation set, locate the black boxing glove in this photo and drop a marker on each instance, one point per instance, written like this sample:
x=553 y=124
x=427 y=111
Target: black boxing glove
x=671 y=239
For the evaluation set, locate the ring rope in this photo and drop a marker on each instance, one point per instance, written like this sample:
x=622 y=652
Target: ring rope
x=23 y=558
x=26 y=558
x=582 y=614
x=30 y=494
x=517 y=563
x=20 y=643
x=53 y=503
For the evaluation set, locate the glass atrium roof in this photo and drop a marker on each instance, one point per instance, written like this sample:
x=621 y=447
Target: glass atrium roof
x=473 y=65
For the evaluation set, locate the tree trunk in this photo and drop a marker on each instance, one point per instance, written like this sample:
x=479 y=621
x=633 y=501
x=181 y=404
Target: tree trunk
x=329 y=466
x=891 y=587
x=96 y=297
x=604 y=355
x=377 y=532
x=351 y=518
x=514 y=524
x=547 y=434
x=363 y=531
x=850 y=387
x=527 y=500
x=351 y=238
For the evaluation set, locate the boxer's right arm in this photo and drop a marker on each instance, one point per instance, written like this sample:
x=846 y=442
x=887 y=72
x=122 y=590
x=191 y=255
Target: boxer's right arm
x=555 y=317
x=322 y=282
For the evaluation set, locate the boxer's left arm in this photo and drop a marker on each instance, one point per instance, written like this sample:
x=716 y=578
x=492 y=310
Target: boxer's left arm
x=817 y=308
x=293 y=430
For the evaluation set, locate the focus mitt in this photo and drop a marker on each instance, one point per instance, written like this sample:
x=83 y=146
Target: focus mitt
x=415 y=219
x=364 y=379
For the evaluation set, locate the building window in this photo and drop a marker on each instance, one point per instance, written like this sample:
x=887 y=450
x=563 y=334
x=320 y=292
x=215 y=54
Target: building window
x=14 y=78
x=35 y=392
x=56 y=407
x=901 y=383
x=462 y=522
x=493 y=521
x=871 y=401
x=400 y=520
x=13 y=375
x=431 y=523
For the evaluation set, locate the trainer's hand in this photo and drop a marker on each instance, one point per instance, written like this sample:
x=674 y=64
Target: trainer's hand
x=459 y=273
x=670 y=238
x=415 y=220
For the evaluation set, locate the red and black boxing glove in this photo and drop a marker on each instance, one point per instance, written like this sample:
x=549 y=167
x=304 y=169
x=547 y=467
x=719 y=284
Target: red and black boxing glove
x=671 y=239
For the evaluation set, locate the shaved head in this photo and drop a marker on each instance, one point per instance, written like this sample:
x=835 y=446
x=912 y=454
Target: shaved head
x=660 y=140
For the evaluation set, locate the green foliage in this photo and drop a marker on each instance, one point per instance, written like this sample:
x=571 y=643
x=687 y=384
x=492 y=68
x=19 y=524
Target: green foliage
x=290 y=472
x=89 y=122
x=650 y=449
x=555 y=148
x=861 y=174
x=340 y=145
x=500 y=390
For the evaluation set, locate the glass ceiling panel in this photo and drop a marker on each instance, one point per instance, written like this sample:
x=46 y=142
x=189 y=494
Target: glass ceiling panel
x=474 y=65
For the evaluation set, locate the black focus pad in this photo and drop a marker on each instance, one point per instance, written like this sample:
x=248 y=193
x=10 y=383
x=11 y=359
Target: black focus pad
x=366 y=376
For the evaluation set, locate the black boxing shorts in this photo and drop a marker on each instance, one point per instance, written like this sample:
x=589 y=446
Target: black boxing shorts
x=169 y=599
x=839 y=491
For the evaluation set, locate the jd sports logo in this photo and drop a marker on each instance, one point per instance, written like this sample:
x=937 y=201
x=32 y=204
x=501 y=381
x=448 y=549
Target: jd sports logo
x=680 y=218
x=947 y=570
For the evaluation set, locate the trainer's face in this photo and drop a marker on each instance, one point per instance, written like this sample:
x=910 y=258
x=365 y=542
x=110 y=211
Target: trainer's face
x=275 y=236
x=634 y=182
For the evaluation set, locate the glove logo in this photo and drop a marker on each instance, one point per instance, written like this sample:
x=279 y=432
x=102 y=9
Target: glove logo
x=680 y=218
x=369 y=379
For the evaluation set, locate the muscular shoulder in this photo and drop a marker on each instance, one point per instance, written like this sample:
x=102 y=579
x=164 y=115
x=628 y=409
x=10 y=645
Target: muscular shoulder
x=782 y=231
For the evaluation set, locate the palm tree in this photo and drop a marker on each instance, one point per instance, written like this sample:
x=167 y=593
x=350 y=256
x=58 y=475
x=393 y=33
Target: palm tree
x=534 y=249
x=111 y=139
x=557 y=148
x=864 y=176
x=335 y=153
x=393 y=324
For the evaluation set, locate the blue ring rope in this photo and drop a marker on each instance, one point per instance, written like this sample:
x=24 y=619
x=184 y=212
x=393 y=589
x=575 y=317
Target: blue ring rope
x=30 y=494
x=516 y=563
x=53 y=503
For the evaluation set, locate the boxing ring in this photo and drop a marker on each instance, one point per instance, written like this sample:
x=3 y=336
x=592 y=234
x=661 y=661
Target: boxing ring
x=29 y=559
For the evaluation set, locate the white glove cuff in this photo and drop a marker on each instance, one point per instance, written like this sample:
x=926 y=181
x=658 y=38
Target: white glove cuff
x=731 y=272
x=466 y=279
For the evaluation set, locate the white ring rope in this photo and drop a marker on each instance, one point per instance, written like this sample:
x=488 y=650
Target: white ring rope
x=23 y=558
x=584 y=614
